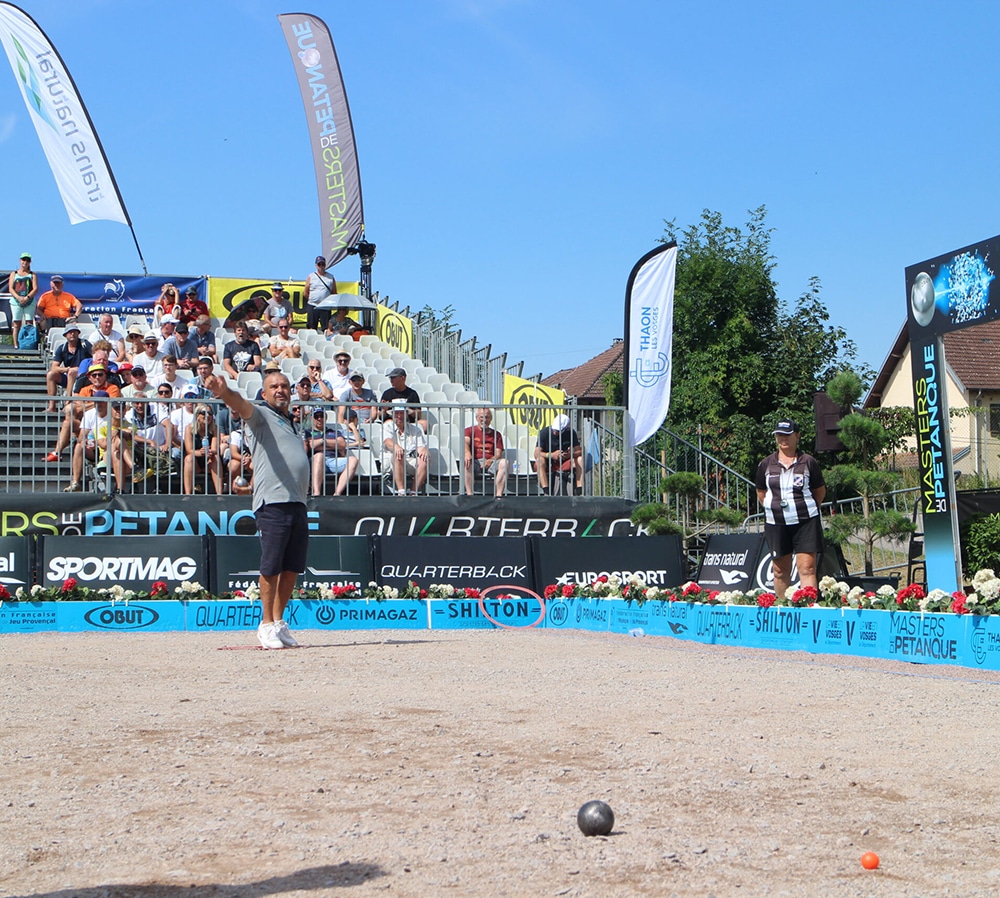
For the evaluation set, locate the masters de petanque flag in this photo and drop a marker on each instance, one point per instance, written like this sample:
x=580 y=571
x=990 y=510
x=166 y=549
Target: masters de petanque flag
x=338 y=180
x=64 y=128
x=649 y=325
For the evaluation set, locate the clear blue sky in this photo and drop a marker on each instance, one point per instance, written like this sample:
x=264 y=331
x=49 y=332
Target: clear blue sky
x=517 y=156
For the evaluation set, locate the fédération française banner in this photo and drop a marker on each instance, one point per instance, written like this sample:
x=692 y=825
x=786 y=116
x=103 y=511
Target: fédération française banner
x=649 y=325
x=331 y=134
x=62 y=122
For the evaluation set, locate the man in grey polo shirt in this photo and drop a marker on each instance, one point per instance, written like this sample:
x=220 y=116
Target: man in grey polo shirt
x=280 y=489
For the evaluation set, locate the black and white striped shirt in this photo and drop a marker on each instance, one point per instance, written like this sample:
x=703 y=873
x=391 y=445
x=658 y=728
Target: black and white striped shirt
x=789 y=490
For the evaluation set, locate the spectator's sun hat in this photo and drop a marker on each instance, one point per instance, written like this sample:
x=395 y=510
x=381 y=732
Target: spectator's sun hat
x=25 y=255
x=786 y=426
x=561 y=422
x=181 y=328
x=277 y=286
x=397 y=372
x=304 y=381
x=138 y=369
x=321 y=259
x=71 y=326
x=191 y=291
x=190 y=392
x=168 y=319
x=151 y=336
x=56 y=279
x=343 y=354
x=97 y=367
x=318 y=413
x=272 y=366
x=134 y=330
x=356 y=375
x=127 y=366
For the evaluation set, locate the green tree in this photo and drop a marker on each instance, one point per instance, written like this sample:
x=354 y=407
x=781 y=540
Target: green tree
x=741 y=357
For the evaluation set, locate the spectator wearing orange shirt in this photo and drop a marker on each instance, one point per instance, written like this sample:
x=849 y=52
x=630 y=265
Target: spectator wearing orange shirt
x=56 y=305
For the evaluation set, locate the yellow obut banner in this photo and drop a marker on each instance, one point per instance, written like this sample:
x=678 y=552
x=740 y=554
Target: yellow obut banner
x=395 y=329
x=534 y=402
x=226 y=295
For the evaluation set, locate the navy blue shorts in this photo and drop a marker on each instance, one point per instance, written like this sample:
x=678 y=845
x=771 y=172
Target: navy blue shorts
x=284 y=538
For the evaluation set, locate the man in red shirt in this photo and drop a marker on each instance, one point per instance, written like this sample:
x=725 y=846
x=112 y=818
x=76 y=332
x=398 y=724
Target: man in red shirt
x=192 y=307
x=484 y=454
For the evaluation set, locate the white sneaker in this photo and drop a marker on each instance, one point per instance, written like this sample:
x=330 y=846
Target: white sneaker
x=268 y=637
x=284 y=634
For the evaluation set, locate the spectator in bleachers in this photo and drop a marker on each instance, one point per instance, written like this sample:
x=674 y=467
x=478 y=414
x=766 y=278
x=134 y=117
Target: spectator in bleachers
x=255 y=328
x=339 y=376
x=92 y=438
x=484 y=454
x=283 y=346
x=359 y=399
x=319 y=386
x=405 y=452
x=164 y=408
x=56 y=306
x=240 y=461
x=241 y=353
x=399 y=392
x=142 y=449
x=326 y=443
x=133 y=342
x=559 y=453
x=97 y=379
x=22 y=285
x=169 y=374
x=151 y=358
x=278 y=309
x=100 y=354
x=140 y=385
x=319 y=286
x=201 y=452
x=204 y=338
x=106 y=331
x=191 y=307
x=168 y=303
x=182 y=348
x=205 y=367
x=181 y=417
x=168 y=325
x=341 y=324
x=66 y=362
x=299 y=411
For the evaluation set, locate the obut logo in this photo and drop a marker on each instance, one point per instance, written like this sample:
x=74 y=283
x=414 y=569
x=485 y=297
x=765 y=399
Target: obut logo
x=392 y=329
x=121 y=617
x=533 y=407
x=558 y=614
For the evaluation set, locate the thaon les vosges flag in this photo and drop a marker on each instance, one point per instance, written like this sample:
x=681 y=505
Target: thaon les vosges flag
x=331 y=134
x=649 y=325
x=71 y=146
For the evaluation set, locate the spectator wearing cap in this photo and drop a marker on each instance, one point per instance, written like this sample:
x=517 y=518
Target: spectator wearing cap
x=278 y=309
x=404 y=452
x=299 y=411
x=56 y=306
x=282 y=344
x=100 y=354
x=168 y=303
x=399 y=392
x=791 y=489
x=140 y=385
x=191 y=307
x=182 y=348
x=204 y=337
x=559 y=457
x=168 y=325
x=97 y=379
x=339 y=376
x=151 y=358
x=241 y=353
x=66 y=361
x=326 y=444
x=359 y=399
x=22 y=285
x=319 y=286
x=106 y=331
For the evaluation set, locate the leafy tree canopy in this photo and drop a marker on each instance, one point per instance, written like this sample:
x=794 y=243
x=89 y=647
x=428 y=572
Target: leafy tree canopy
x=741 y=357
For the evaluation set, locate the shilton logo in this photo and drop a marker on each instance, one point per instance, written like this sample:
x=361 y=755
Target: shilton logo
x=121 y=617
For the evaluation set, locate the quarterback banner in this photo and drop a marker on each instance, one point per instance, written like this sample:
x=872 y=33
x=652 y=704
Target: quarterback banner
x=63 y=125
x=649 y=324
x=331 y=134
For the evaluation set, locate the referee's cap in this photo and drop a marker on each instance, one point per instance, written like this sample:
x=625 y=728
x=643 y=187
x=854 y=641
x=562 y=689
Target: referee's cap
x=786 y=426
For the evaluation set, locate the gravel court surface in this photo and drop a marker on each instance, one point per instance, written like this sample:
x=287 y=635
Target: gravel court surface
x=453 y=763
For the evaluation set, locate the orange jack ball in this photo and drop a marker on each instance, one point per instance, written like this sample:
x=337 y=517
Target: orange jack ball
x=869 y=860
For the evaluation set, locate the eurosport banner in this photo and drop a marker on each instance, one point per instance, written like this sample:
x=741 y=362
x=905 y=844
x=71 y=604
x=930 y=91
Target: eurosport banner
x=536 y=405
x=82 y=514
x=649 y=325
x=331 y=134
x=658 y=560
x=395 y=329
x=63 y=125
x=120 y=294
x=946 y=293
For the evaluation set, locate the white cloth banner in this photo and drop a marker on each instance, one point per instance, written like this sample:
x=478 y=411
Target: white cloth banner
x=649 y=311
x=64 y=128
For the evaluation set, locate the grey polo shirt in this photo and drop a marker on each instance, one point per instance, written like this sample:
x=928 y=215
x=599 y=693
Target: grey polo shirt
x=280 y=464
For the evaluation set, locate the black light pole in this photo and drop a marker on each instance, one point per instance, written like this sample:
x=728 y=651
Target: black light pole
x=366 y=251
